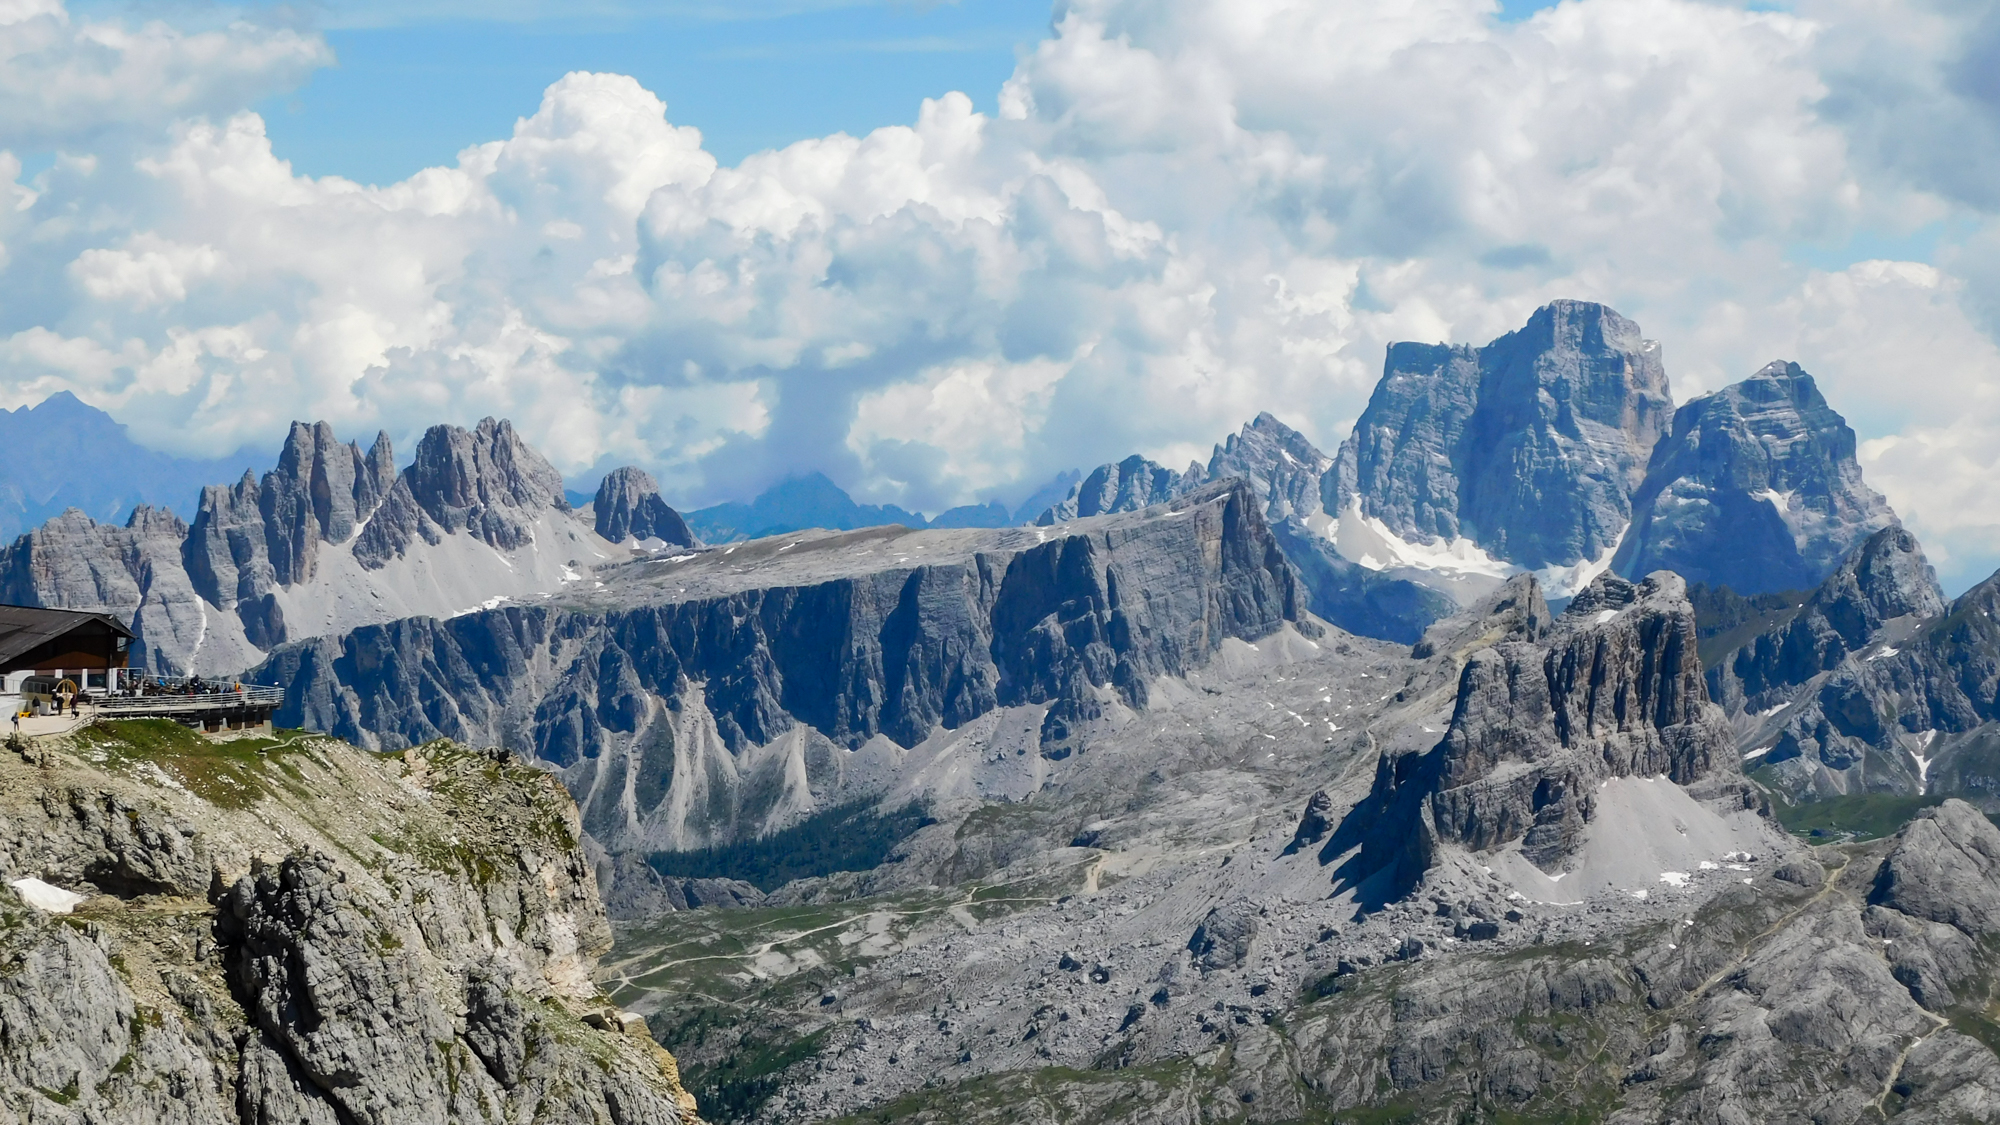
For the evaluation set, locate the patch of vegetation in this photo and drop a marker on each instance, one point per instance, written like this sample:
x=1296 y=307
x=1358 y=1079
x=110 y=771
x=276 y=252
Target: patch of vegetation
x=1854 y=818
x=751 y=1069
x=850 y=837
x=231 y=774
x=1726 y=620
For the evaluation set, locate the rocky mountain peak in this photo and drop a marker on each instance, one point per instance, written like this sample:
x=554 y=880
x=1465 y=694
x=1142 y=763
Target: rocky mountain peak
x=1280 y=463
x=1755 y=488
x=156 y=523
x=255 y=536
x=1530 y=447
x=1123 y=486
x=1884 y=579
x=628 y=506
x=1613 y=689
x=460 y=473
x=485 y=481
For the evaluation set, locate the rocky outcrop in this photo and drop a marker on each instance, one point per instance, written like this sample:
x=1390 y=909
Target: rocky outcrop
x=255 y=536
x=308 y=547
x=1124 y=486
x=306 y=933
x=1756 y=488
x=1874 y=685
x=1279 y=463
x=486 y=482
x=1530 y=447
x=673 y=692
x=1884 y=580
x=1613 y=688
x=132 y=573
x=628 y=506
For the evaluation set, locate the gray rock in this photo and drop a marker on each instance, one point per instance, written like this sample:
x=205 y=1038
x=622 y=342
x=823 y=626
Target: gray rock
x=258 y=535
x=628 y=506
x=132 y=573
x=1278 y=462
x=853 y=644
x=1125 y=486
x=1531 y=446
x=1612 y=689
x=420 y=954
x=1756 y=488
x=1945 y=868
x=486 y=482
x=1884 y=579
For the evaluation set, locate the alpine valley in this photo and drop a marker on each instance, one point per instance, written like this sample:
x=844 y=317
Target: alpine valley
x=1545 y=752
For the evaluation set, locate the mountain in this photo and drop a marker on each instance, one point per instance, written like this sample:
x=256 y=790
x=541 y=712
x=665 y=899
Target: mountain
x=1755 y=488
x=1284 y=470
x=696 y=701
x=628 y=506
x=61 y=454
x=292 y=930
x=1125 y=486
x=990 y=514
x=330 y=539
x=1549 y=717
x=1872 y=685
x=1207 y=915
x=1284 y=467
x=1526 y=451
x=1047 y=496
x=810 y=501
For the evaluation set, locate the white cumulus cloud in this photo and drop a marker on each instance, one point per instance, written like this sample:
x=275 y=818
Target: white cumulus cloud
x=1184 y=212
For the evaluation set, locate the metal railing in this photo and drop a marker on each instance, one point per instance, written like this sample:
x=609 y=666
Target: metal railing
x=228 y=699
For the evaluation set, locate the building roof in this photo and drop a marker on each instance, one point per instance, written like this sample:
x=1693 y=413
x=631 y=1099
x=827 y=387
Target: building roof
x=24 y=628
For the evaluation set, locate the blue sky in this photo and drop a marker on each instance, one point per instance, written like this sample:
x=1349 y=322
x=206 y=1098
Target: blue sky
x=410 y=94
x=1192 y=210
x=416 y=83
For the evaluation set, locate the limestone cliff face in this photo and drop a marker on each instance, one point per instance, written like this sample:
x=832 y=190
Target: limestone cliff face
x=1123 y=486
x=486 y=482
x=1874 y=684
x=302 y=932
x=1279 y=463
x=1613 y=688
x=628 y=506
x=257 y=535
x=660 y=694
x=131 y=572
x=1531 y=446
x=1756 y=488
x=310 y=546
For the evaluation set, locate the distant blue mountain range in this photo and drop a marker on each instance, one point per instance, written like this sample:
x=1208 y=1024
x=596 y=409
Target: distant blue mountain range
x=815 y=501
x=63 y=454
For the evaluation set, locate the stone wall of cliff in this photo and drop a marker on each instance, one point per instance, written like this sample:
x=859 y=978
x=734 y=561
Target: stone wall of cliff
x=300 y=932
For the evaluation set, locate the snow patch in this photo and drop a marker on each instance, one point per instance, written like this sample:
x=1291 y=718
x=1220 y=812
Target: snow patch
x=1779 y=500
x=1923 y=760
x=1369 y=542
x=1773 y=711
x=1885 y=652
x=46 y=896
x=1675 y=879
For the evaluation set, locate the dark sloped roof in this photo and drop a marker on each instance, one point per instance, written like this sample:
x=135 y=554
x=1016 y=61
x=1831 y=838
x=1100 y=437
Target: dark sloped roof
x=23 y=628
